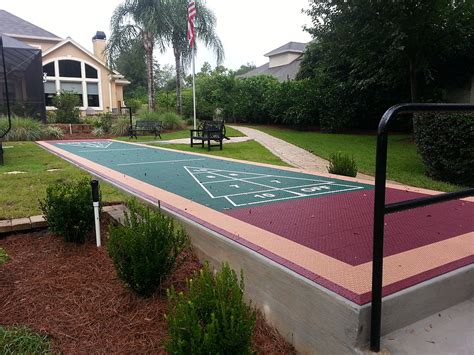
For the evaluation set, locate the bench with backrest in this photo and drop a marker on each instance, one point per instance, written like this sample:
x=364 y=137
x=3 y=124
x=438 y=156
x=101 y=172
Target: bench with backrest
x=209 y=131
x=144 y=126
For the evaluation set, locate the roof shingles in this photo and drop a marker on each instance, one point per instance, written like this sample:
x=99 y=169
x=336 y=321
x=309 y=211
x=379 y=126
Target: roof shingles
x=13 y=25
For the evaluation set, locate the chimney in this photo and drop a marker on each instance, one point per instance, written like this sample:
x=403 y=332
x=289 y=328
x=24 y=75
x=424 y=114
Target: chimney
x=99 y=42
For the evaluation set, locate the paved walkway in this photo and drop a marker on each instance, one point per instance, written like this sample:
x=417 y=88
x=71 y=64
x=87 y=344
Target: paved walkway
x=287 y=152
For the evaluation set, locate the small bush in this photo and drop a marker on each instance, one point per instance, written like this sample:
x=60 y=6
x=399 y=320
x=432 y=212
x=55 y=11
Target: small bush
x=3 y=257
x=145 y=250
x=149 y=116
x=120 y=127
x=342 y=164
x=28 y=129
x=67 y=107
x=134 y=104
x=51 y=116
x=172 y=121
x=68 y=209
x=446 y=146
x=21 y=340
x=212 y=317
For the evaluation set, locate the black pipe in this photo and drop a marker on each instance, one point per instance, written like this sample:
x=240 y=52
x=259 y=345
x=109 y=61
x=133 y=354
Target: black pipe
x=7 y=96
x=95 y=190
x=380 y=209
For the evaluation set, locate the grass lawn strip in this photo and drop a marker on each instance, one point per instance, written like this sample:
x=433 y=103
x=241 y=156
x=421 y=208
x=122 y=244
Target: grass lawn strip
x=21 y=340
x=404 y=164
x=87 y=306
x=28 y=170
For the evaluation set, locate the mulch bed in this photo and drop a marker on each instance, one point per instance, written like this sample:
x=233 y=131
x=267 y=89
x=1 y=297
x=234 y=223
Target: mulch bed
x=72 y=294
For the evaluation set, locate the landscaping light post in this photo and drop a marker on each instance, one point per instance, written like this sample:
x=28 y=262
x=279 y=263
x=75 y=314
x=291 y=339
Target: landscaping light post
x=95 y=203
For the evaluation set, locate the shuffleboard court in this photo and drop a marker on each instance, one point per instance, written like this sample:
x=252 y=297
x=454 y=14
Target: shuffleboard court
x=314 y=224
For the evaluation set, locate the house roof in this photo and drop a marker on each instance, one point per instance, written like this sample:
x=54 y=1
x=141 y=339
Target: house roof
x=282 y=72
x=294 y=47
x=15 y=26
x=9 y=42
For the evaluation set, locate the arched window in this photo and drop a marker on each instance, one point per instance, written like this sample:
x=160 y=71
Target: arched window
x=72 y=75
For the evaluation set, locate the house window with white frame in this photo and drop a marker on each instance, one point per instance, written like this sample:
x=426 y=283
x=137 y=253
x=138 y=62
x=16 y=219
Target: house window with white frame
x=72 y=75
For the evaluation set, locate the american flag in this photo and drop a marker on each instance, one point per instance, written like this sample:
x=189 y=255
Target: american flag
x=191 y=18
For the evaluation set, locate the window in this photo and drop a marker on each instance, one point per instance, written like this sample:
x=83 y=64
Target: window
x=76 y=76
x=49 y=92
x=73 y=87
x=70 y=69
x=93 y=95
x=49 y=69
x=91 y=72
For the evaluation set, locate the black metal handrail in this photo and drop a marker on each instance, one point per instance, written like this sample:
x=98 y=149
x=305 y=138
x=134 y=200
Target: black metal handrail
x=129 y=113
x=381 y=209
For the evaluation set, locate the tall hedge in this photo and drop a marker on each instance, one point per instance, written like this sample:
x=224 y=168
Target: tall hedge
x=446 y=146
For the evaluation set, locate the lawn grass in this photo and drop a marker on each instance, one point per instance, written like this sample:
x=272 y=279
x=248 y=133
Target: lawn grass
x=21 y=340
x=3 y=257
x=230 y=132
x=404 y=164
x=249 y=150
x=19 y=193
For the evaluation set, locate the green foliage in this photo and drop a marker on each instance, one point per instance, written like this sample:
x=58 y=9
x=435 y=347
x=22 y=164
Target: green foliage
x=145 y=250
x=135 y=104
x=3 y=257
x=172 y=121
x=21 y=340
x=446 y=146
x=120 y=126
x=102 y=124
x=370 y=55
x=342 y=164
x=51 y=116
x=28 y=129
x=68 y=209
x=212 y=317
x=67 y=107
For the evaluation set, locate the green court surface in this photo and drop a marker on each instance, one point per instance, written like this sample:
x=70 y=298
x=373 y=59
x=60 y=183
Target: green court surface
x=213 y=182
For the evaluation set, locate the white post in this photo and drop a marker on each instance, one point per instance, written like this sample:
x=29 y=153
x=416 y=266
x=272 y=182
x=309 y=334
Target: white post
x=194 y=88
x=95 y=203
x=97 y=223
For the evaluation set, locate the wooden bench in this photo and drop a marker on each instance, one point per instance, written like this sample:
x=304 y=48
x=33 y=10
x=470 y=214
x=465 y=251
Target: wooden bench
x=155 y=127
x=209 y=131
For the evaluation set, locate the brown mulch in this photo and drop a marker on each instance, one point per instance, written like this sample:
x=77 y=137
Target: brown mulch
x=72 y=294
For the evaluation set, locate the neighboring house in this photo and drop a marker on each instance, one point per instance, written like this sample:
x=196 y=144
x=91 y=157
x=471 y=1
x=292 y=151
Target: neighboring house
x=284 y=62
x=66 y=65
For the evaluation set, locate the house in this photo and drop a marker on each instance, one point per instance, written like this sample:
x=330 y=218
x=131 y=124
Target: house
x=67 y=65
x=283 y=62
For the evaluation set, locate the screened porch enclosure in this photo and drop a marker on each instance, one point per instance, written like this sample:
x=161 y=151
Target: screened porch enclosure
x=24 y=72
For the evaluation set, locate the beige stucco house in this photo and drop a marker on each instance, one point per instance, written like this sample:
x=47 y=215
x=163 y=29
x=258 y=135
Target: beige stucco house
x=283 y=62
x=69 y=66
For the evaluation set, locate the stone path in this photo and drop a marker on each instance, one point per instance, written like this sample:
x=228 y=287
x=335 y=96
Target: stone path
x=287 y=152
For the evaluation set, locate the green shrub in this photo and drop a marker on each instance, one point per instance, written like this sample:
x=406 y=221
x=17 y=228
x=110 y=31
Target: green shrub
x=149 y=116
x=212 y=317
x=120 y=127
x=21 y=340
x=51 y=116
x=172 y=121
x=3 y=257
x=68 y=209
x=134 y=104
x=145 y=250
x=67 y=107
x=28 y=129
x=342 y=164
x=446 y=146
x=102 y=124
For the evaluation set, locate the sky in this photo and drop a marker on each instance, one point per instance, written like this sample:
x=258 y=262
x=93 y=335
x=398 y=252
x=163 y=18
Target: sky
x=247 y=28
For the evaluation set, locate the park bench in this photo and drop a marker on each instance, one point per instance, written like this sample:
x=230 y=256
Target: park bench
x=154 y=127
x=209 y=131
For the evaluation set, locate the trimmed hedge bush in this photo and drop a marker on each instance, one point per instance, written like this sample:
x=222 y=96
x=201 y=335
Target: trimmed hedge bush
x=68 y=209
x=212 y=317
x=342 y=164
x=446 y=146
x=145 y=250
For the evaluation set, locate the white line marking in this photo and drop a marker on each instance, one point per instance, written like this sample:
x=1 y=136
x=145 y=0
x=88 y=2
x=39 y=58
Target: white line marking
x=110 y=150
x=159 y=162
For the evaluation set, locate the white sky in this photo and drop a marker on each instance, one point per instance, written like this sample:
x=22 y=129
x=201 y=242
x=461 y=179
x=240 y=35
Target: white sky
x=247 y=28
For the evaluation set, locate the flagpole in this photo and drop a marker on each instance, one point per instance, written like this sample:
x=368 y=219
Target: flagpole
x=194 y=87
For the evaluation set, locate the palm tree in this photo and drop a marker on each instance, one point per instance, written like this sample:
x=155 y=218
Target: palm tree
x=145 y=21
x=205 y=29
